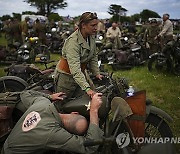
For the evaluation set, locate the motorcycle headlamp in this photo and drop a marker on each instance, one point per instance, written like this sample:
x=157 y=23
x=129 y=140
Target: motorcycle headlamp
x=26 y=51
x=126 y=38
x=33 y=39
x=100 y=37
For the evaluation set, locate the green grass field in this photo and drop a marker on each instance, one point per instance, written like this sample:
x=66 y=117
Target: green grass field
x=162 y=89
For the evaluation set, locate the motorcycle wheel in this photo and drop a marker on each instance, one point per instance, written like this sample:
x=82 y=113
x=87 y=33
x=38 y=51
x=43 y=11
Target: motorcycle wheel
x=154 y=127
x=157 y=127
x=11 y=86
x=155 y=64
x=177 y=69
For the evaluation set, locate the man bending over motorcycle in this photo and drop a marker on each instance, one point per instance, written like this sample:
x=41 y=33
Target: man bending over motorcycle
x=42 y=128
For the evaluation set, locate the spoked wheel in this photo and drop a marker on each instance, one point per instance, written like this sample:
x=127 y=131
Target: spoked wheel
x=157 y=127
x=176 y=70
x=158 y=64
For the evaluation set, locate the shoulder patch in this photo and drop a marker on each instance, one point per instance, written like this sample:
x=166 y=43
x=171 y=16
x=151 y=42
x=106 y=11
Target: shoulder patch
x=31 y=120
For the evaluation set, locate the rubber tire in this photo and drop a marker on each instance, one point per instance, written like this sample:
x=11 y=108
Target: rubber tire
x=12 y=86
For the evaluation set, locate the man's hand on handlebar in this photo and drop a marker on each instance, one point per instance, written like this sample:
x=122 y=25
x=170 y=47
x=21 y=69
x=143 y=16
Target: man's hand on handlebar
x=99 y=76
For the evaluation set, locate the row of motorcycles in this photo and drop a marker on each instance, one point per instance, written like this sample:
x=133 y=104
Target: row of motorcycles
x=115 y=118
x=32 y=50
x=134 y=53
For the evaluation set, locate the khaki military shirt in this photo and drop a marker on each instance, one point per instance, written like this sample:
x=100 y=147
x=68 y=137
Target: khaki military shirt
x=77 y=50
x=167 y=28
x=40 y=128
x=24 y=28
x=112 y=33
x=151 y=32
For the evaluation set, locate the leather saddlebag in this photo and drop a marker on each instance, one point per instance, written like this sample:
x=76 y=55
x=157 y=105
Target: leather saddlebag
x=137 y=102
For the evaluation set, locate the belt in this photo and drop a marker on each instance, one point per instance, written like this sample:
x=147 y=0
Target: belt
x=64 y=66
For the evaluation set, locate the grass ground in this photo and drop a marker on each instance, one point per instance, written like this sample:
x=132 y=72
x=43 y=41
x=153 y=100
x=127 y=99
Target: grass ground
x=162 y=89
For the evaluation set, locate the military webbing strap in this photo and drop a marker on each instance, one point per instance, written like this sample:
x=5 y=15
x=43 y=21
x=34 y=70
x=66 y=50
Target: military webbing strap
x=63 y=66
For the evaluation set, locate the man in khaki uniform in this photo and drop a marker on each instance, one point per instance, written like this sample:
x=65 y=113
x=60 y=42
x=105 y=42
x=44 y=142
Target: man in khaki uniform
x=24 y=28
x=40 y=30
x=79 y=50
x=41 y=127
x=8 y=32
x=16 y=31
x=150 y=33
x=113 y=36
x=167 y=30
x=101 y=27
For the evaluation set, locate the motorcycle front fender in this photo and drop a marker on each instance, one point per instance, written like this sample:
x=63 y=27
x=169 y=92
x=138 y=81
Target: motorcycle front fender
x=155 y=55
x=14 y=78
x=157 y=111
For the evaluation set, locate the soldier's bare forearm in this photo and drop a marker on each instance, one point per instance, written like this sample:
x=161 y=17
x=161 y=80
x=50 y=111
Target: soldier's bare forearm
x=94 y=119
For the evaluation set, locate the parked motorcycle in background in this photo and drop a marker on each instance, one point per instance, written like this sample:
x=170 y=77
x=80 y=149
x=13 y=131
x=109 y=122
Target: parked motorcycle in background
x=168 y=59
x=54 y=41
x=13 y=54
x=131 y=54
x=31 y=48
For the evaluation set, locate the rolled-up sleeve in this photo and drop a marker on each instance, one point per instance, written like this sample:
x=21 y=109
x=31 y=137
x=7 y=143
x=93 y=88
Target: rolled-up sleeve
x=63 y=140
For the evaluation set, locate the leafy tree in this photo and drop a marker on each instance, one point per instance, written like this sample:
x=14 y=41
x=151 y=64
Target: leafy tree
x=116 y=11
x=45 y=7
x=146 y=14
x=29 y=12
x=17 y=16
x=135 y=17
x=5 y=17
x=54 y=16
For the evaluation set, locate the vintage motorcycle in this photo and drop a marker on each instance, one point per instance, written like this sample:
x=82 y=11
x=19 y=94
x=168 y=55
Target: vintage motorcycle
x=13 y=54
x=32 y=48
x=119 y=120
x=27 y=76
x=130 y=55
x=54 y=41
x=168 y=59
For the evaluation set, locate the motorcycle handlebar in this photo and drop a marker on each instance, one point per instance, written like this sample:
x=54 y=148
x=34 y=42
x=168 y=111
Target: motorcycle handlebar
x=107 y=88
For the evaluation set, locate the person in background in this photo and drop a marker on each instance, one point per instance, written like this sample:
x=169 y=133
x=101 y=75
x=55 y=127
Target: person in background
x=101 y=27
x=16 y=31
x=24 y=28
x=166 y=33
x=40 y=31
x=113 y=36
x=150 y=33
x=8 y=32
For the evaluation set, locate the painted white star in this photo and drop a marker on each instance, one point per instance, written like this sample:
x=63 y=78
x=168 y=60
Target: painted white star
x=88 y=106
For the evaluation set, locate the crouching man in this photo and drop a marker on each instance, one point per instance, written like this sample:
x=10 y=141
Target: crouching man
x=42 y=128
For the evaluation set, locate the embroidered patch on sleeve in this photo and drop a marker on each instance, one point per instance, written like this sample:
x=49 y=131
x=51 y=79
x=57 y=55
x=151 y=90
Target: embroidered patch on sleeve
x=31 y=120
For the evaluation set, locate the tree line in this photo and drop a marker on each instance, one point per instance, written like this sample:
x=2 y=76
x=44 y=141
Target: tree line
x=47 y=8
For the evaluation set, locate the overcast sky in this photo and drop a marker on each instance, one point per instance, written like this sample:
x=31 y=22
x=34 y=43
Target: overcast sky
x=77 y=7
